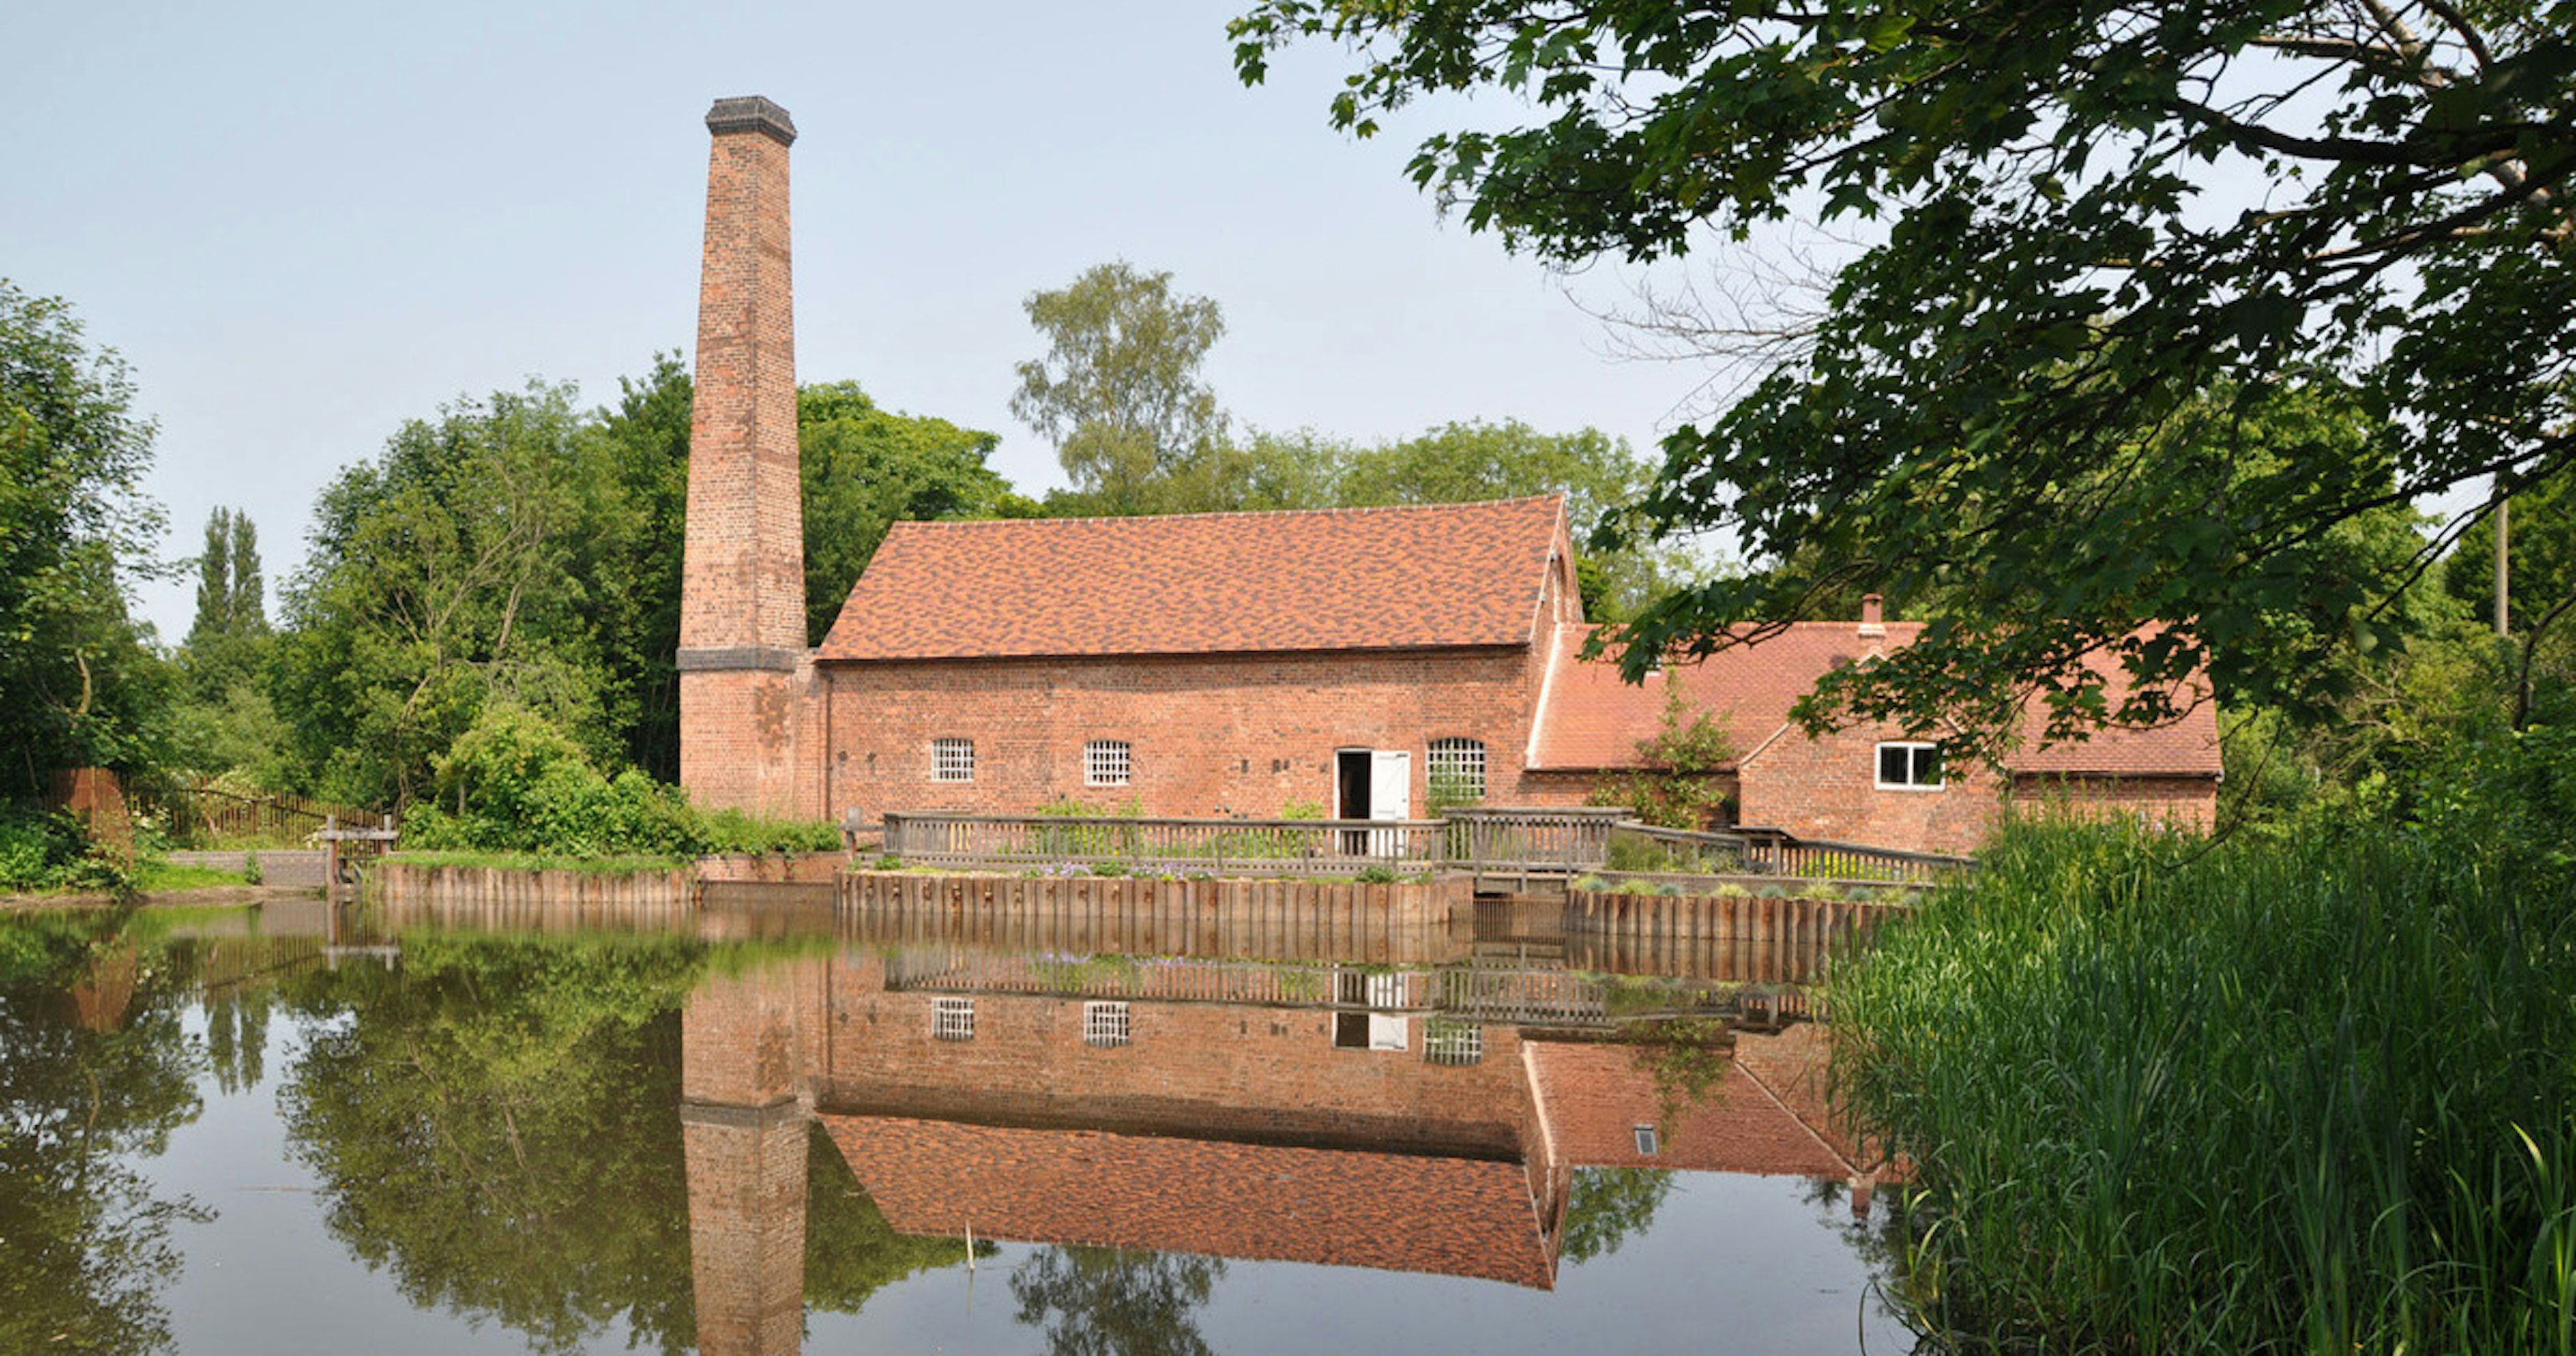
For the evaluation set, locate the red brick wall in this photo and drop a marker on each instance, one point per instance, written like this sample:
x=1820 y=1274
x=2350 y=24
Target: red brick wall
x=743 y=585
x=1827 y=788
x=1248 y=733
x=2189 y=803
x=1205 y=1069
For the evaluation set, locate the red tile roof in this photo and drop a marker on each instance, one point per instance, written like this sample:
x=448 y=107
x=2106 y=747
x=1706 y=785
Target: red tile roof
x=1394 y=1212
x=1594 y=720
x=1420 y=576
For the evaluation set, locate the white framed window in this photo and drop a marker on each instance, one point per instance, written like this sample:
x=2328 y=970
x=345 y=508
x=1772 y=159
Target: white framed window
x=1648 y=1142
x=1909 y=766
x=952 y=1019
x=1455 y=770
x=1105 y=1024
x=1107 y=762
x=1445 y=1041
x=952 y=760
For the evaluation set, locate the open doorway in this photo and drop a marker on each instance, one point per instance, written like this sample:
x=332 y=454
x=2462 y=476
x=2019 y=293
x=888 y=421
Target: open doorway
x=1372 y=784
x=1351 y=783
x=1351 y=796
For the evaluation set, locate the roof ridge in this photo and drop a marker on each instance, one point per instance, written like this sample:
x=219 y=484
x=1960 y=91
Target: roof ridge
x=1447 y=505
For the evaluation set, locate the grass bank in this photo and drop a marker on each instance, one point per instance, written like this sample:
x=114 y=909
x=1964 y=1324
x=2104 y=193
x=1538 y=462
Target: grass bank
x=2310 y=1096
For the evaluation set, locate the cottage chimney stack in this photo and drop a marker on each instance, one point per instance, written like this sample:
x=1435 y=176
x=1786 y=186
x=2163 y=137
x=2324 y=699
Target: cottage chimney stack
x=1873 y=624
x=742 y=659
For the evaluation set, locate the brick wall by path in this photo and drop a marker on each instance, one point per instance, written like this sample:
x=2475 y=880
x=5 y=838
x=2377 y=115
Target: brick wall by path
x=277 y=866
x=1241 y=734
x=798 y=868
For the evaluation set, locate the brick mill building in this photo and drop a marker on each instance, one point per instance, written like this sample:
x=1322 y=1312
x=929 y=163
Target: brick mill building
x=1347 y=661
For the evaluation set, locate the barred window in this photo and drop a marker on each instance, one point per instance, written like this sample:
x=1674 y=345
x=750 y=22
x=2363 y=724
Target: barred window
x=1452 y=1042
x=1455 y=771
x=952 y=760
x=1106 y=762
x=1104 y=1024
x=952 y=1019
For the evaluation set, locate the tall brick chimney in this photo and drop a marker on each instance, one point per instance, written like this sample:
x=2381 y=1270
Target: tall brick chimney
x=742 y=657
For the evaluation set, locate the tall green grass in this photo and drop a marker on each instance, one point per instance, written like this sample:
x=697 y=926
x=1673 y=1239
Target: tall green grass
x=2305 y=1096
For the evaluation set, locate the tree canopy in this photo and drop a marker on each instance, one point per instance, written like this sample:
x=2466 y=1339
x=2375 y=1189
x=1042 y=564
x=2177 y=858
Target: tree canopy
x=2084 y=215
x=1119 y=391
x=82 y=688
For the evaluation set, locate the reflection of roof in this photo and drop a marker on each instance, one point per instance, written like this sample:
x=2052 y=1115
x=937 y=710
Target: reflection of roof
x=1596 y=1095
x=1393 y=1212
x=1594 y=720
x=1209 y=583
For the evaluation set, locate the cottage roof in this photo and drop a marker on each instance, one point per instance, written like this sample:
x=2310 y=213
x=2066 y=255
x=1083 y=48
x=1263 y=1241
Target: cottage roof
x=1262 y=1202
x=1411 y=577
x=1593 y=720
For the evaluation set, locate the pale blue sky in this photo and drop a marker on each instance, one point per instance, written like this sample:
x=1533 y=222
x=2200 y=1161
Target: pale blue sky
x=303 y=224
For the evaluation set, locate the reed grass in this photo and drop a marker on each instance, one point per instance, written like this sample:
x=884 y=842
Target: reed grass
x=2311 y=1096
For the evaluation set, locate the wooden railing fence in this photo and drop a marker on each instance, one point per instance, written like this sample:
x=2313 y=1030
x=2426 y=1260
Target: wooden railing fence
x=207 y=813
x=1497 y=838
x=1547 y=841
x=1175 y=847
x=1771 y=852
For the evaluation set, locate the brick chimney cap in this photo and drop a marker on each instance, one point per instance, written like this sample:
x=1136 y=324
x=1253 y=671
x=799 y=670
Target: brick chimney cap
x=752 y=113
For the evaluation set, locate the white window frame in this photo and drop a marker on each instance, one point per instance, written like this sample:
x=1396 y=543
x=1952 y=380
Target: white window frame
x=952 y=1019
x=1650 y=1140
x=1107 y=1025
x=1912 y=748
x=952 y=760
x=1458 y=758
x=1108 y=762
x=1446 y=1040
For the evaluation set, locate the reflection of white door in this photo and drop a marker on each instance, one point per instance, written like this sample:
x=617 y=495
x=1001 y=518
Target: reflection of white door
x=1390 y=797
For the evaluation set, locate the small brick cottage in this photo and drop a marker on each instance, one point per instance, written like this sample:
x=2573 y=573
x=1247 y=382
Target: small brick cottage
x=1341 y=661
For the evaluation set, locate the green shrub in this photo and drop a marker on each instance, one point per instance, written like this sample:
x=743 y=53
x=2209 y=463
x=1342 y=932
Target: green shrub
x=250 y=869
x=514 y=784
x=1302 y=809
x=41 y=852
x=1376 y=875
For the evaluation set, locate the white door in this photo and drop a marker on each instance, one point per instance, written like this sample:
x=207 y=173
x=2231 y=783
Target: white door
x=1390 y=797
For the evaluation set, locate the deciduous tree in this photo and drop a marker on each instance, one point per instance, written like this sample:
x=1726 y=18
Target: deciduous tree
x=2087 y=214
x=78 y=685
x=1119 y=390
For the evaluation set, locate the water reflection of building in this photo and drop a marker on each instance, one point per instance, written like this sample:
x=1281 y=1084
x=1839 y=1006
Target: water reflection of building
x=1351 y=1117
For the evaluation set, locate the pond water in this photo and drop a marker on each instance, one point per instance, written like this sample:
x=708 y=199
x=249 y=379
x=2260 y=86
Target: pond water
x=764 y=1131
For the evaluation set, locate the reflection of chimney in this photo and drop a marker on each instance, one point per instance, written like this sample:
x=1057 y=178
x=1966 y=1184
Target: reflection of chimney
x=744 y=1131
x=742 y=595
x=1872 y=624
